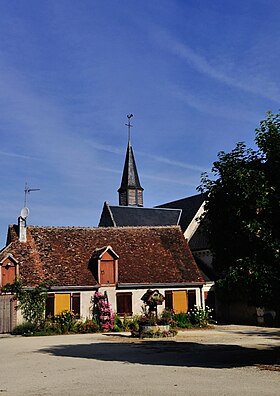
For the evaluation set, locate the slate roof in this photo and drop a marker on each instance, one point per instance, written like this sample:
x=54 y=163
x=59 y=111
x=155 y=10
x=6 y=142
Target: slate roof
x=122 y=216
x=130 y=178
x=147 y=255
x=189 y=207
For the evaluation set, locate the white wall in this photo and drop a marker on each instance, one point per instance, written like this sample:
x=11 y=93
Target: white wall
x=137 y=303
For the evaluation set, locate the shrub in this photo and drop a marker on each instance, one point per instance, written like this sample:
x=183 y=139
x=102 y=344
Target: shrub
x=181 y=320
x=200 y=317
x=102 y=311
x=89 y=326
x=25 y=328
x=65 y=322
x=118 y=324
x=167 y=318
x=32 y=302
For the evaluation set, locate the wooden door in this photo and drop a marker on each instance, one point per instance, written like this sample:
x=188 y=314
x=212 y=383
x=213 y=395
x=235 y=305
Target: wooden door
x=7 y=314
x=8 y=273
x=107 y=272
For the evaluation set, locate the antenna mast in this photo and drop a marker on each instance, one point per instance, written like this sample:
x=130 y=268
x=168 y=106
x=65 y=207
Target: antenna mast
x=129 y=116
x=27 y=190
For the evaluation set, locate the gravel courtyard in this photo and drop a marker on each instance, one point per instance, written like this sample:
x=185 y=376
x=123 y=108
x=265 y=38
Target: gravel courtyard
x=225 y=360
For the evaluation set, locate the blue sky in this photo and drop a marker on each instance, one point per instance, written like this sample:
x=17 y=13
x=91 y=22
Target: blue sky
x=198 y=76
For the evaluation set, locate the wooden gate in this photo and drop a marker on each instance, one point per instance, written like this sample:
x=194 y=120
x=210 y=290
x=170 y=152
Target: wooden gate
x=7 y=314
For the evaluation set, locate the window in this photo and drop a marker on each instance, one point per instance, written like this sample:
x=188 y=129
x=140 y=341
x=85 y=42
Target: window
x=191 y=299
x=168 y=300
x=180 y=300
x=124 y=303
x=50 y=306
x=56 y=303
x=75 y=304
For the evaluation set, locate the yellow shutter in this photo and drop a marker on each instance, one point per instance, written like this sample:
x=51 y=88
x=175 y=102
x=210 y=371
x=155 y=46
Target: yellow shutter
x=180 y=301
x=61 y=303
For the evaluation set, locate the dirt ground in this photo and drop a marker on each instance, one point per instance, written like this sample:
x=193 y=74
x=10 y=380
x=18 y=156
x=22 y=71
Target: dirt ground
x=225 y=360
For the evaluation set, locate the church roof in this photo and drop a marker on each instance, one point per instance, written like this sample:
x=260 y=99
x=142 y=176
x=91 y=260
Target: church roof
x=62 y=255
x=189 y=207
x=130 y=178
x=122 y=216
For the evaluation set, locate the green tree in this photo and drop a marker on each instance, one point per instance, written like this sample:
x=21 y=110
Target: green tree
x=243 y=218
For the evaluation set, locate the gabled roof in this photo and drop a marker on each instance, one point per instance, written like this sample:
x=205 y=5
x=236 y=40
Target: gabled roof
x=8 y=256
x=98 y=253
x=147 y=255
x=189 y=206
x=122 y=216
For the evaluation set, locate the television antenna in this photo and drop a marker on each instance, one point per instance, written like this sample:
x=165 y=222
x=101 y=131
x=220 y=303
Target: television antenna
x=27 y=190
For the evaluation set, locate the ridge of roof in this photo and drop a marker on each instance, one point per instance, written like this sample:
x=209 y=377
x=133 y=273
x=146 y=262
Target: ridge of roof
x=195 y=197
x=98 y=228
x=143 y=208
x=110 y=213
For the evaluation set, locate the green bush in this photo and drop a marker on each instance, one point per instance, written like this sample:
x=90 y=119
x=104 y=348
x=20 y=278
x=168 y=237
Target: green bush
x=118 y=324
x=65 y=322
x=125 y=323
x=181 y=320
x=89 y=326
x=200 y=317
x=25 y=328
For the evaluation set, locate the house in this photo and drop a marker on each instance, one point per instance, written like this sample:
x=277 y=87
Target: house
x=123 y=261
x=133 y=249
x=184 y=212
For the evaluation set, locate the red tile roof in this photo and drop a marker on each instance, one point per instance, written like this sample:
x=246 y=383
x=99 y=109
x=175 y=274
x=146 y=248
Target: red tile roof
x=147 y=255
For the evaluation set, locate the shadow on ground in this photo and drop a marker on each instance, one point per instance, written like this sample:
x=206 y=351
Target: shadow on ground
x=272 y=335
x=170 y=353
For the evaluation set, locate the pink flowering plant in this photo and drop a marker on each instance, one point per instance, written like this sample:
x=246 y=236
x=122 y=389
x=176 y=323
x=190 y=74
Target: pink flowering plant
x=102 y=311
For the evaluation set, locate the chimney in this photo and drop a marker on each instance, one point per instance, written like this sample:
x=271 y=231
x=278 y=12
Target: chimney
x=22 y=224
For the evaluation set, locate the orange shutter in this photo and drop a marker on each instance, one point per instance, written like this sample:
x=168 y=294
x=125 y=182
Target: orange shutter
x=61 y=303
x=180 y=301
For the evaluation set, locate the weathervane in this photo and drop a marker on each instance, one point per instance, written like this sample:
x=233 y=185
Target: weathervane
x=129 y=116
x=27 y=191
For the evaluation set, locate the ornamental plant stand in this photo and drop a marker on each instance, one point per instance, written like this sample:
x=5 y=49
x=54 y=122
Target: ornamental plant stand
x=150 y=325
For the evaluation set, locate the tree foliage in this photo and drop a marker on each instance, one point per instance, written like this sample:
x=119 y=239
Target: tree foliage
x=243 y=217
x=32 y=302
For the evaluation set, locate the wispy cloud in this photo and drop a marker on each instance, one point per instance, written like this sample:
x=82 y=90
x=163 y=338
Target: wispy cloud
x=14 y=155
x=167 y=161
x=105 y=147
x=172 y=162
x=174 y=180
x=211 y=107
x=254 y=84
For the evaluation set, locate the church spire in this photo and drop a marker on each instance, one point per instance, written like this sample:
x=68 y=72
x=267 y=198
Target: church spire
x=130 y=191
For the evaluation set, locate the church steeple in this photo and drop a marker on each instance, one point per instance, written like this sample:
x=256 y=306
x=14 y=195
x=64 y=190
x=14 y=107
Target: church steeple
x=130 y=191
